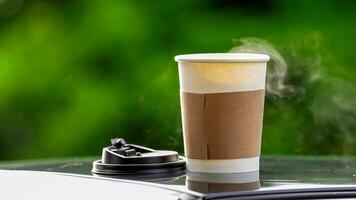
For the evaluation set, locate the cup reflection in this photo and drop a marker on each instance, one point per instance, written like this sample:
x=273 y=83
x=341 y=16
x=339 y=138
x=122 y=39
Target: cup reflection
x=221 y=182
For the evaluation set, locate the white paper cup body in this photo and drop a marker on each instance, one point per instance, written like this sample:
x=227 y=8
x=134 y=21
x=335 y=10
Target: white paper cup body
x=248 y=177
x=222 y=73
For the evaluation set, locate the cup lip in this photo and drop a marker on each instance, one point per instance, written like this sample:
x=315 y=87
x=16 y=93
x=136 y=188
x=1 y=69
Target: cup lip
x=222 y=57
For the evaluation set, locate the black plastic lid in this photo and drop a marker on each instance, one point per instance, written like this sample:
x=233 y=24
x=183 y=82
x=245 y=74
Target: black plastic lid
x=130 y=159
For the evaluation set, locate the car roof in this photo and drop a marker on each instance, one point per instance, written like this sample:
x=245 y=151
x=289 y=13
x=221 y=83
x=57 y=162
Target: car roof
x=278 y=175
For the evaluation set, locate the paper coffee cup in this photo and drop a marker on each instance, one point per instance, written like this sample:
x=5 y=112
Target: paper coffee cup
x=222 y=101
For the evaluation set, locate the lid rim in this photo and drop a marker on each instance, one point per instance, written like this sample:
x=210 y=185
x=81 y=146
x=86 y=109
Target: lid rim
x=222 y=57
x=100 y=168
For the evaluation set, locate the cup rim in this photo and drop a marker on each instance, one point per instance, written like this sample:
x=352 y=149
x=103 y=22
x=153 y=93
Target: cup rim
x=222 y=57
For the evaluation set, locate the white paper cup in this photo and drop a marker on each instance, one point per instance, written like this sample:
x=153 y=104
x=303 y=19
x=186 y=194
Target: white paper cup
x=222 y=97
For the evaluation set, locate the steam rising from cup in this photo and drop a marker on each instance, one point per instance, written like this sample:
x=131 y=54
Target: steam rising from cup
x=276 y=85
x=325 y=99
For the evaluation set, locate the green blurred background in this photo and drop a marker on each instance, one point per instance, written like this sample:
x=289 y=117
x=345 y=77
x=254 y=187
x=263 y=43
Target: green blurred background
x=74 y=74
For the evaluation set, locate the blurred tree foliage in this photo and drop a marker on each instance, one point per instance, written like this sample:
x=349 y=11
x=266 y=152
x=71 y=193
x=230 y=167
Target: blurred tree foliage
x=75 y=73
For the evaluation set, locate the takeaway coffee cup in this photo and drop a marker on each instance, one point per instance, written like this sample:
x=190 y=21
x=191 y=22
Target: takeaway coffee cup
x=222 y=100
